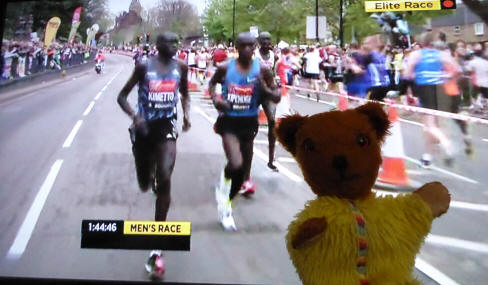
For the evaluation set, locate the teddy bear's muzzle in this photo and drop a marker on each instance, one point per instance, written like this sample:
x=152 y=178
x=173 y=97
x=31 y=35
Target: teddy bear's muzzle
x=340 y=163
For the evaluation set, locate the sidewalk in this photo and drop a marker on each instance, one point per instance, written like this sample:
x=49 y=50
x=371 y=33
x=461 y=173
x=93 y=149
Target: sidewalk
x=21 y=86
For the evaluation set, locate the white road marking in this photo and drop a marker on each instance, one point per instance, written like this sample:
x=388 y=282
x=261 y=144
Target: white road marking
x=312 y=99
x=457 y=243
x=98 y=95
x=27 y=227
x=261 y=142
x=88 y=109
x=287 y=159
x=433 y=272
x=469 y=206
x=485 y=140
x=280 y=167
x=71 y=136
x=264 y=130
x=454 y=204
x=106 y=85
x=458 y=176
x=201 y=112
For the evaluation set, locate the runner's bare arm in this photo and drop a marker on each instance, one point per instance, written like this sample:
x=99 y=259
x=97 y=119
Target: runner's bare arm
x=218 y=77
x=267 y=81
x=185 y=97
x=451 y=64
x=139 y=71
x=412 y=60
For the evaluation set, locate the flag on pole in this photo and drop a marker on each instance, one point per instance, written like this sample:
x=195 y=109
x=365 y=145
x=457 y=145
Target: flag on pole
x=75 y=23
x=51 y=30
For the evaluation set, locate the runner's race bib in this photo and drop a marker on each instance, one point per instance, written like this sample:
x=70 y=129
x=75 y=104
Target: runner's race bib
x=161 y=94
x=240 y=96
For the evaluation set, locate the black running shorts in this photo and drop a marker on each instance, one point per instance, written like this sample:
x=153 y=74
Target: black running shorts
x=429 y=95
x=245 y=128
x=158 y=131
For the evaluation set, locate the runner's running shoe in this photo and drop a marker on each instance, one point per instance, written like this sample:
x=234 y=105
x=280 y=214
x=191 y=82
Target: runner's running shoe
x=248 y=188
x=426 y=160
x=225 y=216
x=224 y=205
x=272 y=167
x=222 y=190
x=155 y=264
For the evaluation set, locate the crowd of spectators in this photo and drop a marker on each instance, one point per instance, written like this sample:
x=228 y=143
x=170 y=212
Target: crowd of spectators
x=23 y=58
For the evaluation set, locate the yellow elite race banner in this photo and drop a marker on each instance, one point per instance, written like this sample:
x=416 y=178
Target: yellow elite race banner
x=408 y=5
x=51 y=30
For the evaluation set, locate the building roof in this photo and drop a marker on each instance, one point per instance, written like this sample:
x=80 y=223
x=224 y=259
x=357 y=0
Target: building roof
x=462 y=16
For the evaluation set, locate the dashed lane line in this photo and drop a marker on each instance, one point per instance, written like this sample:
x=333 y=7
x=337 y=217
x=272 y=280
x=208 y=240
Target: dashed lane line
x=89 y=108
x=72 y=134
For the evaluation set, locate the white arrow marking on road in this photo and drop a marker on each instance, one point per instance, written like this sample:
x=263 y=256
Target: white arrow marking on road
x=443 y=171
x=88 y=109
x=433 y=272
x=25 y=231
x=71 y=136
x=485 y=140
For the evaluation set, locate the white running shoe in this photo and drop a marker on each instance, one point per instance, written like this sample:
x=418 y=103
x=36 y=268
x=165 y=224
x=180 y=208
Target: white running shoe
x=224 y=205
x=225 y=216
x=222 y=191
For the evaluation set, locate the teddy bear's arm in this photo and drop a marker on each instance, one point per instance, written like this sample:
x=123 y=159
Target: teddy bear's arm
x=308 y=231
x=436 y=196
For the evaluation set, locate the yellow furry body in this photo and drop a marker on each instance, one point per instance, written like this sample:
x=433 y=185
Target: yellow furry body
x=396 y=228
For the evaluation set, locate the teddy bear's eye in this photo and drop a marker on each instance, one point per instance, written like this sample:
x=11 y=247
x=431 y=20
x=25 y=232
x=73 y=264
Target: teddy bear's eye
x=308 y=145
x=363 y=141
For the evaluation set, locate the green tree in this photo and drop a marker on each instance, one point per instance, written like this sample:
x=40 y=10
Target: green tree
x=93 y=11
x=286 y=19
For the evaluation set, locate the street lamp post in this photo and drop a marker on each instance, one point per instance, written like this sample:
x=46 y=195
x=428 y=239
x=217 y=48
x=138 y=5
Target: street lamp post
x=234 y=24
x=317 y=20
x=341 y=24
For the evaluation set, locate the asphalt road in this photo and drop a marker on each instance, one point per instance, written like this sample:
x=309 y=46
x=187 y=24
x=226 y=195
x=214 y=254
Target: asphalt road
x=92 y=176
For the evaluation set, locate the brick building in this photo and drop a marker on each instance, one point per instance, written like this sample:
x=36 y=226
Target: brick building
x=463 y=24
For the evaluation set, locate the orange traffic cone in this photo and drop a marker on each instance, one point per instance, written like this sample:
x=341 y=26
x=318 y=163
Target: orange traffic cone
x=262 y=117
x=393 y=171
x=192 y=86
x=206 y=94
x=343 y=103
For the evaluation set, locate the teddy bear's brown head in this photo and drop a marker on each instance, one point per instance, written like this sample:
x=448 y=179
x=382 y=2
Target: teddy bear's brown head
x=339 y=152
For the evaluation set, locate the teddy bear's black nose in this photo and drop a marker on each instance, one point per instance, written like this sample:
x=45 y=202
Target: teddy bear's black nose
x=339 y=162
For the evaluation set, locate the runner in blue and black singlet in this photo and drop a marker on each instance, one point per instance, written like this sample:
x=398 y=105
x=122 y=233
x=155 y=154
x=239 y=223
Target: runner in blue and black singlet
x=245 y=84
x=154 y=131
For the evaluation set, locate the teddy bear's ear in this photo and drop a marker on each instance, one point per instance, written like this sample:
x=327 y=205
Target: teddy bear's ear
x=287 y=129
x=377 y=117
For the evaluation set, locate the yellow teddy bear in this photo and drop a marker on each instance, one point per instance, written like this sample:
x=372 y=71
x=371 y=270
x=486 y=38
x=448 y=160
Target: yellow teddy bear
x=347 y=235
